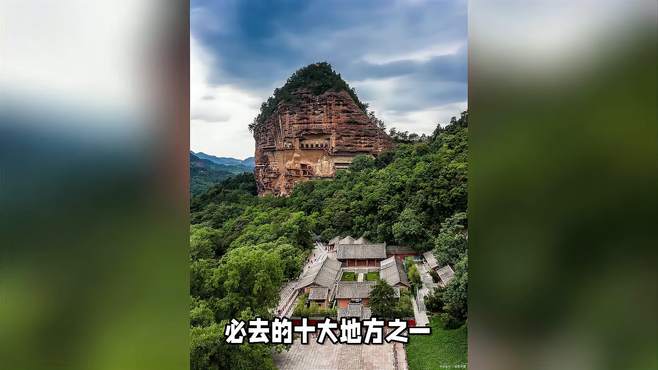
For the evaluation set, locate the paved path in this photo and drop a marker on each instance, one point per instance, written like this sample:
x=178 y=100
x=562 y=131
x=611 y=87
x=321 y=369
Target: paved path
x=420 y=312
x=328 y=356
x=287 y=297
x=425 y=276
x=318 y=253
x=419 y=315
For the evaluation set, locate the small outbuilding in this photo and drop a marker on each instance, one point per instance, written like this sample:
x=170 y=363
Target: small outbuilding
x=319 y=295
x=356 y=292
x=353 y=292
x=400 y=251
x=431 y=260
x=354 y=310
x=445 y=274
x=322 y=274
x=393 y=273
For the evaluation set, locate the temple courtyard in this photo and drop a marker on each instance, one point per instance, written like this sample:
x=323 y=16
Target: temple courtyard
x=389 y=356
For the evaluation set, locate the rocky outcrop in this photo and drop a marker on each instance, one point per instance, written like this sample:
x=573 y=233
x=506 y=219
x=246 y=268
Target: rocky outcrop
x=312 y=136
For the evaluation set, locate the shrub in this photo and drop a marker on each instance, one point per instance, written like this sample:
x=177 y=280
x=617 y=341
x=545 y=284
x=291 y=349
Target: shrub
x=348 y=276
x=434 y=300
x=450 y=322
x=414 y=275
x=313 y=309
x=404 y=307
x=362 y=162
x=408 y=261
x=435 y=276
x=372 y=276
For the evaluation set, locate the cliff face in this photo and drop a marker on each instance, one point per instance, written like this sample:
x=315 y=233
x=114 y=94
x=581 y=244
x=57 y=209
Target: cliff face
x=311 y=136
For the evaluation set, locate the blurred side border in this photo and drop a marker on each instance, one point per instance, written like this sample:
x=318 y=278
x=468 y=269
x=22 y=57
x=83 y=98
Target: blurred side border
x=564 y=172
x=94 y=143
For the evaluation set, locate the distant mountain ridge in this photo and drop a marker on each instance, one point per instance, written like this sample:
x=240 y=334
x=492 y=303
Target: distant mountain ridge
x=207 y=170
x=227 y=161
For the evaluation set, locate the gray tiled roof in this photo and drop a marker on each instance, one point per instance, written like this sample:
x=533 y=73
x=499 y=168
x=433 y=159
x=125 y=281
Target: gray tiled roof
x=431 y=260
x=318 y=294
x=322 y=273
x=334 y=240
x=346 y=240
x=362 y=240
x=445 y=274
x=353 y=289
x=361 y=251
x=355 y=310
x=392 y=272
x=399 y=249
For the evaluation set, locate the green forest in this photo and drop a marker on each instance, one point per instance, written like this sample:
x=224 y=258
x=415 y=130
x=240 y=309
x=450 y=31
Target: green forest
x=244 y=247
x=205 y=173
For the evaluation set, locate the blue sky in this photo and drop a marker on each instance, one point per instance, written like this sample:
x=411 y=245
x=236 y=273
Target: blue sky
x=407 y=59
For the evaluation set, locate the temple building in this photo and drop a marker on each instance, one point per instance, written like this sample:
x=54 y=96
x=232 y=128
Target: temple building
x=322 y=274
x=361 y=255
x=393 y=273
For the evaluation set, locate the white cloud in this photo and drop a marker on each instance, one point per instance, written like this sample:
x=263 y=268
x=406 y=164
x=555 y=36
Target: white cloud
x=422 y=121
x=420 y=55
x=385 y=94
x=378 y=90
x=219 y=114
x=84 y=50
x=221 y=139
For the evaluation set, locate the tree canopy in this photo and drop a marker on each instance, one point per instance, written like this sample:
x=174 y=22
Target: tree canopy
x=450 y=244
x=382 y=300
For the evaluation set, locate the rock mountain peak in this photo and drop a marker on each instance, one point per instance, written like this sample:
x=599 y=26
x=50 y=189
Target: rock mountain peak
x=311 y=127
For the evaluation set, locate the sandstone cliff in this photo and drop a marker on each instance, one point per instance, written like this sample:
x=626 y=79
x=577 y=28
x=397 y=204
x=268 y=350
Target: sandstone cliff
x=312 y=127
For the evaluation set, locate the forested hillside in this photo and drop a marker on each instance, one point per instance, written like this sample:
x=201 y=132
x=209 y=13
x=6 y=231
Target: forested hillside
x=207 y=170
x=244 y=247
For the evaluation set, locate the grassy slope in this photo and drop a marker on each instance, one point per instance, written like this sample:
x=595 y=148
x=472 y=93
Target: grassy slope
x=443 y=347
